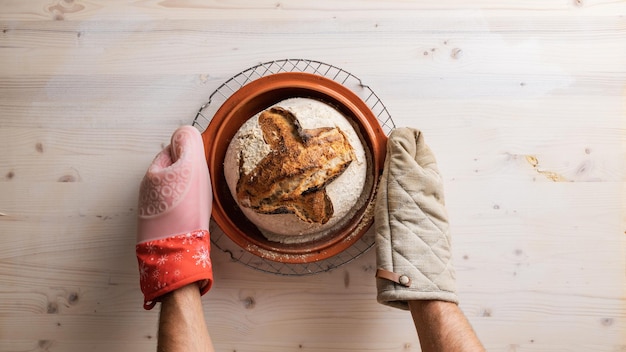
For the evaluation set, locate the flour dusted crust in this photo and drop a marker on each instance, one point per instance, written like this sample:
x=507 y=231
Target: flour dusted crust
x=296 y=170
x=292 y=177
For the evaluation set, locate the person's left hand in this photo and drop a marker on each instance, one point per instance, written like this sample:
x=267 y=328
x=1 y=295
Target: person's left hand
x=175 y=194
x=175 y=199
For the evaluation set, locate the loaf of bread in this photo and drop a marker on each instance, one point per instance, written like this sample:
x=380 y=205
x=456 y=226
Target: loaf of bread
x=292 y=177
x=296 y=169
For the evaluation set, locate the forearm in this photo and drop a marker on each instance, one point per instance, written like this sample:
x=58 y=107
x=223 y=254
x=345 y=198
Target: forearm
x=441 y=326
x=181 y=324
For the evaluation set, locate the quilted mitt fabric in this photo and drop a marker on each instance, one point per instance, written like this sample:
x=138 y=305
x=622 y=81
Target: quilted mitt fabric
x=411 y=223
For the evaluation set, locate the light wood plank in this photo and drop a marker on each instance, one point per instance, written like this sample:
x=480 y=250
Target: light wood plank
x=190 y=9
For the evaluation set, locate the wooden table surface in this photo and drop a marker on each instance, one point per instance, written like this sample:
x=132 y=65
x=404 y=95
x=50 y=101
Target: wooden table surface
x=523 y=102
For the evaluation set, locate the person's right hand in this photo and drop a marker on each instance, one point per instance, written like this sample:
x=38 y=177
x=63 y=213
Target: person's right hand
x=411 y=222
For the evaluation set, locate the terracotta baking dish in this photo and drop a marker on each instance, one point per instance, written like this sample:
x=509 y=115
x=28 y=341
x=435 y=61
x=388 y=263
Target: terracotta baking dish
x=250 y=100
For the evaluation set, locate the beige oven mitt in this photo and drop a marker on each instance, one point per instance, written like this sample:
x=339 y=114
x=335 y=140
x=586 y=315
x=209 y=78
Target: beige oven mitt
x=412 y=237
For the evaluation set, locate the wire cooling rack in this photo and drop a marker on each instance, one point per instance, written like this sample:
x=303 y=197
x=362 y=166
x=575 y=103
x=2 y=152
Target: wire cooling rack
x=224 y=91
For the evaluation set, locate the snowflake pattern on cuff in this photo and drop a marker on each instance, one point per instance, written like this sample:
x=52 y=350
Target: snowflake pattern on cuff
x=173 y=262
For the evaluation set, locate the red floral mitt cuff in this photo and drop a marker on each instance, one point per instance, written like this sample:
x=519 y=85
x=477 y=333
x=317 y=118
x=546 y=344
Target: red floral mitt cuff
x=170 y=263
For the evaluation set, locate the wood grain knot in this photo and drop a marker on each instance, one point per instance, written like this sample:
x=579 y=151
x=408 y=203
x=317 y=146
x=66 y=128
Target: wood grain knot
x=52 y=308
x=44 y=345
x=72 y=175
x=67 y=178
x=72 y=298
x=550 y=175
x=456 y=53
x=607 y=321
x=63 y=7
x=249 y=302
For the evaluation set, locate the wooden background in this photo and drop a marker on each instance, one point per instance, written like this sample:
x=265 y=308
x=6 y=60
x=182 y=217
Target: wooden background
x=523 y=102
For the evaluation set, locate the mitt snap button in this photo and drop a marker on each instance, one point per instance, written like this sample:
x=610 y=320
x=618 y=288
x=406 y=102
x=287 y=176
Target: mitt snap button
x=404 y=281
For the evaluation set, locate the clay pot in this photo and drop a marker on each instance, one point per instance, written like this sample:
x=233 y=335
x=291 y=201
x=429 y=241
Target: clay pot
x=250 y=100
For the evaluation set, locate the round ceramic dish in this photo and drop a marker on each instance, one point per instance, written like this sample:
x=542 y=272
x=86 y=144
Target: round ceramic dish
x=257 y=96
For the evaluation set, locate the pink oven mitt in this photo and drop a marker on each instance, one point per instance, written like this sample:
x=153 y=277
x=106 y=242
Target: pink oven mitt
x=173 y=242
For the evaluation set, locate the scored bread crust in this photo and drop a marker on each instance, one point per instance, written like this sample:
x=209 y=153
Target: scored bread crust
x=293 y=176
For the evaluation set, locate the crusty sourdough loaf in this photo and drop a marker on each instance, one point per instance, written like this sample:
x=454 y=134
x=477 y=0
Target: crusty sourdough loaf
x=296 y=169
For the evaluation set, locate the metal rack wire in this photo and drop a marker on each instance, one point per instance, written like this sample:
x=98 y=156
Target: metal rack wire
x=224 y=91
